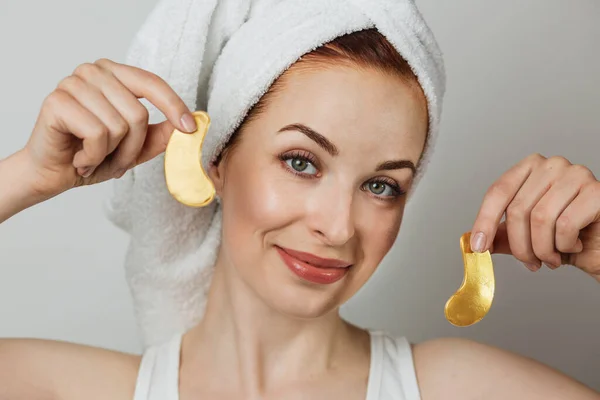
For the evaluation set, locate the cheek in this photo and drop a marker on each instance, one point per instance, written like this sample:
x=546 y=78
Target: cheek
x=379 y=234
x=256 y=199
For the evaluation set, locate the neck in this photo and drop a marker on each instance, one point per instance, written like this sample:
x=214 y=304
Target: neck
x=258 y=348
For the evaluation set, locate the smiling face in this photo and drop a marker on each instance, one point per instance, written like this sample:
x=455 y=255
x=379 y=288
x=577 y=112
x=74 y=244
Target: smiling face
x=324 y=169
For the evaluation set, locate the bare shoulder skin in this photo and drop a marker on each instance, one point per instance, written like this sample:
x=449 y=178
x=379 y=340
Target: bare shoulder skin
x=453 y=368
x=36 y=369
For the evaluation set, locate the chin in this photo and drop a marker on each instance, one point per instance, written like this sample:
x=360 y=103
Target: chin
x=294 y=299
x=296 y=296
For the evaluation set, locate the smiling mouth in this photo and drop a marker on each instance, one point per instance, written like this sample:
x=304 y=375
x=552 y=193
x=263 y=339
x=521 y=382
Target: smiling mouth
x=316 y=261
x=312 y=268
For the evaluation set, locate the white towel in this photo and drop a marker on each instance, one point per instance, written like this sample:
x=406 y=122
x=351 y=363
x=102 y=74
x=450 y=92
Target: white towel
x=222 y=56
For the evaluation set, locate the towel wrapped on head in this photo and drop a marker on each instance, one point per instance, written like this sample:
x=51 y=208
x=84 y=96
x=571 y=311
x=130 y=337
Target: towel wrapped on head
x=222 y=56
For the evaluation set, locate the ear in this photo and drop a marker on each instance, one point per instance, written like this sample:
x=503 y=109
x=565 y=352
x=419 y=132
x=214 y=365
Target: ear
x=216 y=173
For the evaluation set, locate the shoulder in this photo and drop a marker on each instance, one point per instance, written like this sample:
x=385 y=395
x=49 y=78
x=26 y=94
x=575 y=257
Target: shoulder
x=450 y=368
x=36 y=368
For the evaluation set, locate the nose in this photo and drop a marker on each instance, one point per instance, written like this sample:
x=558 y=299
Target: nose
x=331 y=215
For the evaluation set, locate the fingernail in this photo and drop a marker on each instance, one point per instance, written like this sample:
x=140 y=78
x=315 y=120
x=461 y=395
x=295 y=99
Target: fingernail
x=478 y=242
x=531 y=267
x=120 y=172
x=551 y=266
x=189 y=123
x=86 y=172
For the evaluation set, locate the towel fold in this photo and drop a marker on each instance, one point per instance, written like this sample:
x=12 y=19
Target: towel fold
x=222 y=56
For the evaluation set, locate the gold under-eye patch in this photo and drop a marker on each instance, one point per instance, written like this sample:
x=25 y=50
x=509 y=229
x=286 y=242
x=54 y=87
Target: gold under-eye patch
x=186 y=179
x=473 y=299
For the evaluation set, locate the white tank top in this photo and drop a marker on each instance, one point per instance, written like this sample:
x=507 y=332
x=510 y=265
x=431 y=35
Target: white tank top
x=391 y=375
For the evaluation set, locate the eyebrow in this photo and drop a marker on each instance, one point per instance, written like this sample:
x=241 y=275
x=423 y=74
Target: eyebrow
x=397 y=164
x=330 y=148
x=319 y=139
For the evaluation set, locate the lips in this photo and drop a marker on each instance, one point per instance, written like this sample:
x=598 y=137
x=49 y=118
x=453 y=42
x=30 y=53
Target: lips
x=317 y=261
x=312 y=268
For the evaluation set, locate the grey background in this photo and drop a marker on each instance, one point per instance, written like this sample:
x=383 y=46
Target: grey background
x=523 y=77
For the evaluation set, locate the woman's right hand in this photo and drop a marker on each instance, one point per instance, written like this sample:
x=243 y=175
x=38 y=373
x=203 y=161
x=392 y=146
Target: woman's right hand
x=92 y=127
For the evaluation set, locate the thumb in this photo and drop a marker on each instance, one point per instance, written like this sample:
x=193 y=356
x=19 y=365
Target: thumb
x=157 y=138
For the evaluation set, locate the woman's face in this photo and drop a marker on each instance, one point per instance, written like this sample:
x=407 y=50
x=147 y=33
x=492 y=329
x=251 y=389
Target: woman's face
x=323 y=170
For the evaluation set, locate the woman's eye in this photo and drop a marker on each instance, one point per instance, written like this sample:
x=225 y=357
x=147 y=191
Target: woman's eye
x=301 y=165
x=382 y=189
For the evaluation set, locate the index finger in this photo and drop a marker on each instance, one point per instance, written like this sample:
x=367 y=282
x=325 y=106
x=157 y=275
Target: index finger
x=495 y=202
x=145 y=84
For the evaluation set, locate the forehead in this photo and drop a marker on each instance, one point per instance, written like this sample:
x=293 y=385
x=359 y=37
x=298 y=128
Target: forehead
x=354 y=106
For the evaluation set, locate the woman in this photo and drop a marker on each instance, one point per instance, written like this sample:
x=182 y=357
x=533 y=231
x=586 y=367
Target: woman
x=347 y=132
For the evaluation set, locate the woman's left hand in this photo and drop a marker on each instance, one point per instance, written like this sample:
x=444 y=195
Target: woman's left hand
x=552 y=212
